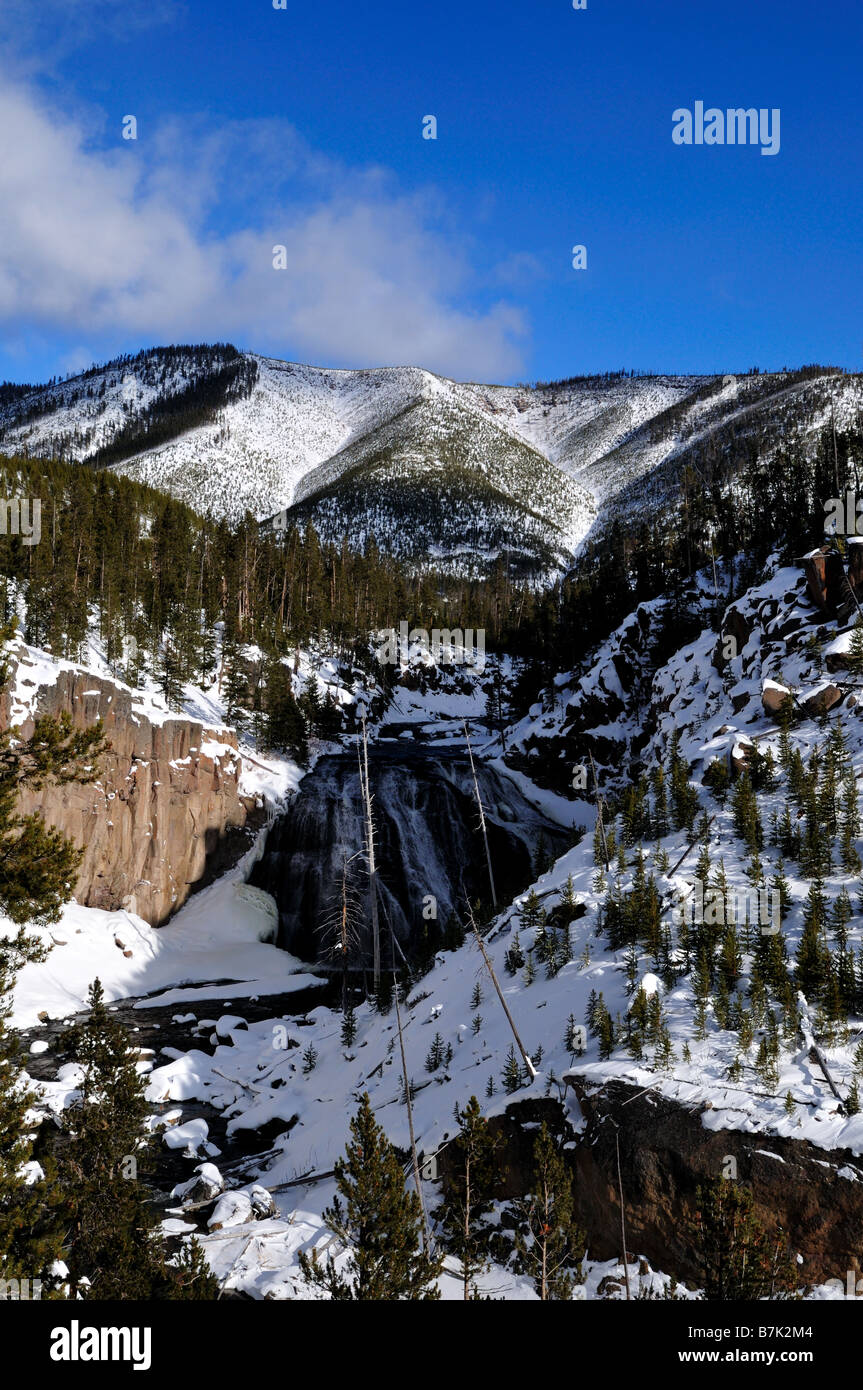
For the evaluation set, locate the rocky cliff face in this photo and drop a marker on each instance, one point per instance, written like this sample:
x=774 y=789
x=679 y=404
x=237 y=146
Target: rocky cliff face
x=165 y=801
x=815 y=1195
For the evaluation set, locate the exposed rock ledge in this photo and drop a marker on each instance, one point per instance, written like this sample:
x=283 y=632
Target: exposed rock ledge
x=159 y=811
x=814 y=1194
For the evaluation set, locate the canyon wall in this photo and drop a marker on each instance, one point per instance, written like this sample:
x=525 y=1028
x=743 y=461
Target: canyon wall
x=158 y=814
x=814 y=1195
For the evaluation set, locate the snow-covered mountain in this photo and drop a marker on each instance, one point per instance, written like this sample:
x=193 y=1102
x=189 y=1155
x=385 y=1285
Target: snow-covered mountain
x=429 y=467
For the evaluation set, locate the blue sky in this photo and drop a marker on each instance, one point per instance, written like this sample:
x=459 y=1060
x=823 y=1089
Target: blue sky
x=303 y=127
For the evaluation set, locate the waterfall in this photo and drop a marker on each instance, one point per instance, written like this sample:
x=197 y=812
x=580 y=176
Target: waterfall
x=428 y=842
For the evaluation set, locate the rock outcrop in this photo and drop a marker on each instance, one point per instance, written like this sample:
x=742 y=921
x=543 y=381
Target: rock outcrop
x=832 y=583
x=815 y=1195
x=166 y=797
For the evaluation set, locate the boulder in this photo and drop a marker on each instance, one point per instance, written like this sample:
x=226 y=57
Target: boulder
x=822 y=700
x=825 y=578
x=232 y=1209
x=262 y=1202
x=774 y=695
x=205 y=1186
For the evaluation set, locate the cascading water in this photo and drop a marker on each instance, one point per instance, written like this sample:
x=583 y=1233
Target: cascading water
x=428 y=844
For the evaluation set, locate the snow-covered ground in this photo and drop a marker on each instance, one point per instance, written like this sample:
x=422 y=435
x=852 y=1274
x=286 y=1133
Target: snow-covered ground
x=255 y=1078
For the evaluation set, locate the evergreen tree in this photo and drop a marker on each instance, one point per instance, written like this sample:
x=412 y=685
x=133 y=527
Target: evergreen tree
x=470 y=1188
x=436 y=1054
x=747 y=821
x=377 y=1221
x=453 y=938
x=514 y=957
x=812 y=952
x=113 y=1248
x=684 y=797
x=738 y=1261
x=512 y=1072
x=234 y=683
x=850 y=825
x=30 y=1216
x=284 y=726
x=192 y=1275
x=38 y=863
x=37 y=867
x=551 y=1246
x=170 y=673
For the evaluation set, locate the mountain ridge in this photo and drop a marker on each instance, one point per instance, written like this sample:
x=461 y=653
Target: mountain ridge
x=537 y=470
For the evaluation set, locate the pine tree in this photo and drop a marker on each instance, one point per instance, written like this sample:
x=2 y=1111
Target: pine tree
x=781 y=890
x=30 y=1216
x=169 y=672
x=812 y=953
x=701 y=985
x=512 y=1072
x=453 y=933
x=39 y=863
x=471 y=1183
x=514 y=957
x=747 y=821
x=659 y=828
x=349 y=1027
x=854 y=654
x=284 y=726
x=234 y=683
x=738 y=1260
x=436 y=1054
x=606 y=1031
x=192 y=1275
x=684 y=797
x=377 y=1221
x=551 y=1246
x=531 y=914
x=850 y=825
x=112 y=1243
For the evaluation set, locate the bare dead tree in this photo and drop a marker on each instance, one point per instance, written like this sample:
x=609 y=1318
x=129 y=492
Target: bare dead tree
x=482 y=821
x=407 y=1085
x=531 y=1069
x=370 y=857
x=341 y=926
x=600 y=806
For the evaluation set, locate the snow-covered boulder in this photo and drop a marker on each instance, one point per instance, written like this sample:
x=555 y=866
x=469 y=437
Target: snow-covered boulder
x=773 y=696
x=232 y=1209
x=205 y=1186
x=262 y=1202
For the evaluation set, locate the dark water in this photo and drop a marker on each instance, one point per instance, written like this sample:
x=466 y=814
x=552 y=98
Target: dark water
x=428 y=842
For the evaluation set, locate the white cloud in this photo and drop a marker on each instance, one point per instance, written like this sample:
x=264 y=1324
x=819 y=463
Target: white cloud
x=138 y=242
